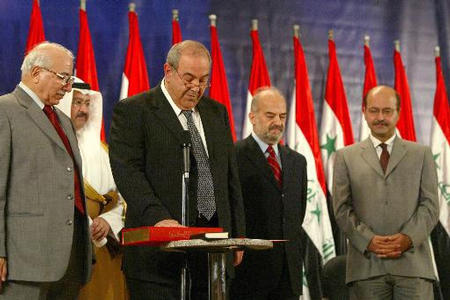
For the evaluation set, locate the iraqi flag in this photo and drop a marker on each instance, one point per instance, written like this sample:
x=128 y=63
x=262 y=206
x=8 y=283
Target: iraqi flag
x=336 y=128
x=176 y=30
x=85 y=67
x=302 y=136
x=440 y=144
x=134 y=76
x=405 y=124
x=36 y=32
x=259 y=76
x=219 y=86
x=370 y=81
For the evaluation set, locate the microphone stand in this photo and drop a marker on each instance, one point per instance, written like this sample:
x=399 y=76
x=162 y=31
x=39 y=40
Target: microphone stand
x=185 y=205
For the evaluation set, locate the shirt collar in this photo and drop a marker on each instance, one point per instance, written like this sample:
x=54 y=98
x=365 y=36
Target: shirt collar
x=175 y=108
x=32 y=94
x=376 y=142
x=264 y=145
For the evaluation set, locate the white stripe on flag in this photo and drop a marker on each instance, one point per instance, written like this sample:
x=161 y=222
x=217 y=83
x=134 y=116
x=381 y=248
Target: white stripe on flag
x=247 y=128
x=124 y=87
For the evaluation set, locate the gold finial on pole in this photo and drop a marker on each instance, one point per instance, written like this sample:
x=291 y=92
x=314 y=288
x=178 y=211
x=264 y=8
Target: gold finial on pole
x=296 y=30
x=330 y=34
x=212 y=20
x=175 y=14
x=397 y=45
x=82 y=5
x=132 y=6
x=255 y=24
x=437 y=51
x=366 y=40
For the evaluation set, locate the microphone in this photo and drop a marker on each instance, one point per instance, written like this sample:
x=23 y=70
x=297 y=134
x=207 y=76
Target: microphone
x=186 y=145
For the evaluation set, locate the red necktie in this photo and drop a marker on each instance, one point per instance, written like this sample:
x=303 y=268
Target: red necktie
x=384 y=157
x=48 y=110
x=274 y=165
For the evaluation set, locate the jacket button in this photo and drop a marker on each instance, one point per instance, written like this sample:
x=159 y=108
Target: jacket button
x=69 y=197
x=69 y=169
x=69 y=222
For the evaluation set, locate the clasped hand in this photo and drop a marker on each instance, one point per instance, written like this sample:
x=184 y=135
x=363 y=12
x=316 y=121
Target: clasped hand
x=389 y=246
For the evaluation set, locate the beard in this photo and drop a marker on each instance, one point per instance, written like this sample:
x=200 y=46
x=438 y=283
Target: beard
x=273 y=138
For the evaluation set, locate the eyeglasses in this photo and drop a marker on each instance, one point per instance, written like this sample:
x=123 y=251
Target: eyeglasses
x=65 y=78
x=189 y=83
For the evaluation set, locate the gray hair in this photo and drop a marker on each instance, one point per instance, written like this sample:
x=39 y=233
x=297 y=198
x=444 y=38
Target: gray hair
x=188 y=47
x=263 y=90
x=39 y=57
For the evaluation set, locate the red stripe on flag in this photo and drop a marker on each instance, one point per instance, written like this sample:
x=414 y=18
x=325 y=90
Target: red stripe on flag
x=135 y=66
x=305 y=115
x=259 y=76
x=441 y=110
x=335 y=94
x=176 y=32
x=85 y=66
x=219 y=85
x=370 y=78
x=405 y=124
x=36 y=32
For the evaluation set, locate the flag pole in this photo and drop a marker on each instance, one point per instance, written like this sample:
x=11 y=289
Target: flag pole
x=82 y=5
x=437 y=51
x=132 y=7
x=296 y=29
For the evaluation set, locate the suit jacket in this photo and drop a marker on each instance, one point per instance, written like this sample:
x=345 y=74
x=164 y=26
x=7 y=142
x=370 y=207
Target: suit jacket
x=271 y=213
x=36 y=192
x=368 y=202
x=147 y=164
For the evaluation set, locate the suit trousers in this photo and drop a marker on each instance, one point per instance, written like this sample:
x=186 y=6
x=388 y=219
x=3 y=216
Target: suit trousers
x=67 y=288
x=393 y=287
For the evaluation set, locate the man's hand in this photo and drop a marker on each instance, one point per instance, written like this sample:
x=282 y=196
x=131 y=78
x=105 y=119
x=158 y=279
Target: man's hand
x=99 y=229
x=3 y=271
x=385 y=247
x=402 y=240
x=168 y=223
x=238 y=256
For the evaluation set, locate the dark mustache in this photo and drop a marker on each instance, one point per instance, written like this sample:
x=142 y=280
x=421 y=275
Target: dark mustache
x=81 y=114
x=379 y=122
x=279 y=127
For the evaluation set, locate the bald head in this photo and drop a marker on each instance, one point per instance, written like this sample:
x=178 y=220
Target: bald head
x=268 y=115
x=188 y=48
x=381 y=111
x=385 y=91
x=46 y=70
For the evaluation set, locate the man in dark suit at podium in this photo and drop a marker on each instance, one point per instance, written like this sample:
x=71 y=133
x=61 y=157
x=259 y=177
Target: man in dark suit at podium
x=273 y=180
x=147 y=162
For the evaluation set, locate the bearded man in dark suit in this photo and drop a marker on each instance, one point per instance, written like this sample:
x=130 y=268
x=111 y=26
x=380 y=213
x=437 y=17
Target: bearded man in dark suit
x=273 y=180
x=147 y=164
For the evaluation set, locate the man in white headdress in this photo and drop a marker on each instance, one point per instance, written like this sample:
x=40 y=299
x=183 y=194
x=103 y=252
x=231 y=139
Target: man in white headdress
x=105 y=205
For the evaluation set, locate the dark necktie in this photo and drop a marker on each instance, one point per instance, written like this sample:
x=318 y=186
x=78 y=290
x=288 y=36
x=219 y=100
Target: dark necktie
x=384 y=157
x=206 y=203
x=274 y=165
x=51 y=115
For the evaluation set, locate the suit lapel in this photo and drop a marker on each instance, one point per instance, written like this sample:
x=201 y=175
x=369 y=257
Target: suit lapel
x=256 y=156
x=38 y=116
x=398 y=152
x=165 y=113
x=369 y=154
x=286 y=163
x=208 y=127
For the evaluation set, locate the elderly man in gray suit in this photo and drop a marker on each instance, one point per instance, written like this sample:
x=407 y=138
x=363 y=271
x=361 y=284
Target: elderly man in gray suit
x=385 y=200
x=45 y=251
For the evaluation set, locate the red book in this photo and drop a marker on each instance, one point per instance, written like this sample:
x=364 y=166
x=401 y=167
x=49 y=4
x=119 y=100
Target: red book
x=155 y=236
